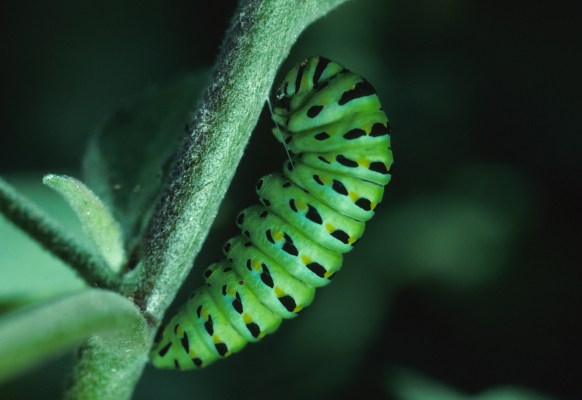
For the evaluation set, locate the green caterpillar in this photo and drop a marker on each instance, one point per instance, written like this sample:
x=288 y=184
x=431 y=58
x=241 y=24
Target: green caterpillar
x=332 y=123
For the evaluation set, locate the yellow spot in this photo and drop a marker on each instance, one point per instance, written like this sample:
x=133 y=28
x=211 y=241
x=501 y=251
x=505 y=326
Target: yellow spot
x=351 y=240
x=364 y=163
x=180 y=331
x=373 y=205
x=256 y=265
x=278 y=235
x=354 y=196
x=216 y=339
x=306 y=260
x=367 y=127
x=325 y=180
x=204 y=314
x=247 y=318
x=300 y=204
x=262 y=335
x=279 y=292
x=297 y=309
x=329 y=227
x=192 y=353
x=327 y=274
x=231 y=291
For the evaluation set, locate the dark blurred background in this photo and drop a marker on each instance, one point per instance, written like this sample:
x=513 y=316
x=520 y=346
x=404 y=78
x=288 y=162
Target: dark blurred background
x=469 y=277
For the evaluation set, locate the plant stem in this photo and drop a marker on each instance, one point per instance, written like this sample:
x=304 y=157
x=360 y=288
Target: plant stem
x=50 y=235
x=261 y=35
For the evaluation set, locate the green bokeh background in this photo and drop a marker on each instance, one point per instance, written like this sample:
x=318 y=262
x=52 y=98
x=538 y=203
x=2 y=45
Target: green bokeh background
x=468 y=278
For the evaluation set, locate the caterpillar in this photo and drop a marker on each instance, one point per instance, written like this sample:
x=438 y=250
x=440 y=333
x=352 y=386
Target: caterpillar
x=337 y=136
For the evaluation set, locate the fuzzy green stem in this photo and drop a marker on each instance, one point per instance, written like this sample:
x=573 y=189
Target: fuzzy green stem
x=261 y=35
x=50 y=235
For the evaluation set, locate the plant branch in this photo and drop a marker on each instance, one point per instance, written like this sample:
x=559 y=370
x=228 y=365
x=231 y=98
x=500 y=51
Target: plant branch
x=50 y=235
x=30 y=336
x=260 y=37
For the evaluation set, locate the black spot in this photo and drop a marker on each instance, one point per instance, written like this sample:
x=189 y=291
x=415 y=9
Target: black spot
x=346 y=161
x=259 y=184
x=288 y=302
x=164 y=349
x=288 y=139
x=354 y=134
x=176 y=329
x=237 y=304
x=199 y=311
x=284 y=102
x=266 y=276
x=364 y=204
x=321 y=136
x=224 y=290
x=247 y=244
x=185 y=343
x=227 y=269
x=341 y=236
x=266 y=202
x=176 y=365
x=247 y=234
x=254 y=329
x=208 y=272
x=289 y=166
x=317 y=179
x=269 y=236
x=339 y=187
x=317 y=269
x=322 y=159
x=319 y=68
x=299 y=77
x=221 y=348
x=292 y=205
x=289 y=247
x=263 y=214
x=240 y=219
x=379 y=167
x=287 y=184
x=197 y=362
x=209 y=326
x=249 y=267
x=379 y=130
x=313 y=215
x=314 y=111
x=320 y=86
x=362 y=89
x=227 y=247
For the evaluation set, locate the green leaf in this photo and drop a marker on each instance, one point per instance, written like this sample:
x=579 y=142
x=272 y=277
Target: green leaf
x=128 y=157
x=95 y=217
x=28 y=270
x=31 y=336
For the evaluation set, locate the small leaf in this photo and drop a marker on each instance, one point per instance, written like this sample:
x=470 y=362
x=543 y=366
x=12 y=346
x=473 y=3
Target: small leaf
x=130 y=154
x=30 y=336
x=95 y=217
